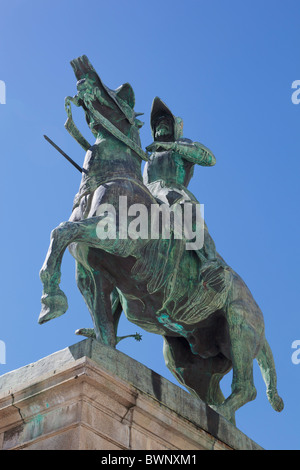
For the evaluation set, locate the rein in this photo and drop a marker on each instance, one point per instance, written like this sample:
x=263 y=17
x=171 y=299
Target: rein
x=99 y=119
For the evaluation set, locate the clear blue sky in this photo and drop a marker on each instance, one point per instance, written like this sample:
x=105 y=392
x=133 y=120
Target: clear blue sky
x=226 y=68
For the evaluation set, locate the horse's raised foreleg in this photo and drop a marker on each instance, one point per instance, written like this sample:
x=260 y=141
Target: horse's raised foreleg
x=54 y=302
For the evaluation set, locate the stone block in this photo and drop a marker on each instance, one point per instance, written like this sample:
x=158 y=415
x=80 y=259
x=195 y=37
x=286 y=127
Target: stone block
x=92 y=397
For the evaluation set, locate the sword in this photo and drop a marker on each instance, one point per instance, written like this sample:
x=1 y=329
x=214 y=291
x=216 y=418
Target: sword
x=82 y=170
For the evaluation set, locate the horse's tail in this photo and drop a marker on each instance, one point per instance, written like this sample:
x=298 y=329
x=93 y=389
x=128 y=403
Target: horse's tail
x=267 y=366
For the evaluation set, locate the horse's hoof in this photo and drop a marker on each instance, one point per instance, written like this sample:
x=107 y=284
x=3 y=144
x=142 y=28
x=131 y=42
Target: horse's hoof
x=53 y=306
x=277 y=403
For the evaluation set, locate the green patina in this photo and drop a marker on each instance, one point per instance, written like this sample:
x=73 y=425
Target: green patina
x=206 y=314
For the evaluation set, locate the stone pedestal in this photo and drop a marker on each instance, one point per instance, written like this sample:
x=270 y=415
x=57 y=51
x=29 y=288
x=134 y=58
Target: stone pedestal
x=90 y=396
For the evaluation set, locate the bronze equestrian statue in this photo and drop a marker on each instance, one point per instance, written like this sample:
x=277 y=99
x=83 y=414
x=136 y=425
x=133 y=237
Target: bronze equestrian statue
x=204 y=311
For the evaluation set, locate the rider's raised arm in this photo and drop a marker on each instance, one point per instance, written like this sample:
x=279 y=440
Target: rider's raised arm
x=195 y=152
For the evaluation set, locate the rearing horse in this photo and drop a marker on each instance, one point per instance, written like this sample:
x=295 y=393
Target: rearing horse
x=159 y=282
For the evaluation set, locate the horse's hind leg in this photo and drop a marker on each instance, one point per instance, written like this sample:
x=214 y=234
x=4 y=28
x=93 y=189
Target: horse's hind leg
x=244 y=341
x=267 y=366
x=198 y=375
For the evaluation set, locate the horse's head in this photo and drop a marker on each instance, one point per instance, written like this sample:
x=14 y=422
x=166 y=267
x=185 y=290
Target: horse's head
x=116 y=107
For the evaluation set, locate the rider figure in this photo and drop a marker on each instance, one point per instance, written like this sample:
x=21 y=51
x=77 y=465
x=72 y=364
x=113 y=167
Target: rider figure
x=167 y=175
x=171 y=164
